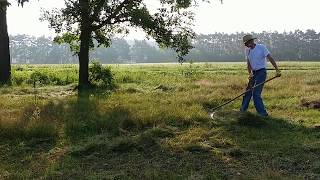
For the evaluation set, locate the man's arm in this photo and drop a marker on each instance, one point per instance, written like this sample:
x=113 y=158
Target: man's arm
x=249 y=69
x=274 y=64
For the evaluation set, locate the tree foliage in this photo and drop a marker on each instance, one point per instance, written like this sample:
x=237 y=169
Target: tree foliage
x=81 y=22
x=169 y=26
x=21 y=2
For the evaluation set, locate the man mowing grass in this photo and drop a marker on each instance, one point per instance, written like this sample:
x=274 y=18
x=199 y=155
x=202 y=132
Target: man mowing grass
x=256 y=55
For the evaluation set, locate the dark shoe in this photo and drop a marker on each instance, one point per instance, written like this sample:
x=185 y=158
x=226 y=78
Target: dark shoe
x=264 y=115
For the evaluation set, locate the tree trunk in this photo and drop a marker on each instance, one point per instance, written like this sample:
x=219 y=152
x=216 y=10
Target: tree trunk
x=5 y=66
x=84 y=45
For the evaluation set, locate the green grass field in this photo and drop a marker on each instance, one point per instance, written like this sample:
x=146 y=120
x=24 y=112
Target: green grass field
x=155 y=124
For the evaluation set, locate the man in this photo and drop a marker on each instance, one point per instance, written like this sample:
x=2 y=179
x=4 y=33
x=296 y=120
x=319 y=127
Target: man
x=256 y=55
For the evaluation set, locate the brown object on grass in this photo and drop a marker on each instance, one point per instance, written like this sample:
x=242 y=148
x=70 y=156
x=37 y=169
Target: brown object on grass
x=311 y=104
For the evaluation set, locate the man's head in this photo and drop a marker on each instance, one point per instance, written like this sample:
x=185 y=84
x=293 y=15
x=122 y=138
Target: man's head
x=248 y=40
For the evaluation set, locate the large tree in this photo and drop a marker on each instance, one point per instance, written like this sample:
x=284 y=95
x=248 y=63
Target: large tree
x=5 y=68
x=82 y=21
x=5 y=64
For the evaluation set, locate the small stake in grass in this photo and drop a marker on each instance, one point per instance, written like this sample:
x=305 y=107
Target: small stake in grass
x=34 y=91
x=212 y=111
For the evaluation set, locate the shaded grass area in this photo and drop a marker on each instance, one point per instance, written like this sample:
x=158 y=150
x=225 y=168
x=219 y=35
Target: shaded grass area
x=156 y=126
x=277 y=144
x=101 y=135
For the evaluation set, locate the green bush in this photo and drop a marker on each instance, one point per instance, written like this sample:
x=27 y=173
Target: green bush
x=39 y=77
x=101 y=76
x=18 y=80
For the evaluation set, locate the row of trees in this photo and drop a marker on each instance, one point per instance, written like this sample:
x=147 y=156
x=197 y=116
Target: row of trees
x=32 y=50
x=297 y=45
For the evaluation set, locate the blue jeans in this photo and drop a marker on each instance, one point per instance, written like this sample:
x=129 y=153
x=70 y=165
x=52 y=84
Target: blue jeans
x=259 y=76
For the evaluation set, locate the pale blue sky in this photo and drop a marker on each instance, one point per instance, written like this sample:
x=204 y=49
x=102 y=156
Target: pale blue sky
x=231 y=16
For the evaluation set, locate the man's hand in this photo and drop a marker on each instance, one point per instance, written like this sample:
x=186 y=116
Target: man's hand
x=250 y=76
x=278 y=73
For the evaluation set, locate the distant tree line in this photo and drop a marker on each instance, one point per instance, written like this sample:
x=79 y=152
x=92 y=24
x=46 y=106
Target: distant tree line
x=297 y=45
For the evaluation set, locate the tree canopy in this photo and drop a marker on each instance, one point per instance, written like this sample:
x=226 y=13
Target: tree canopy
x=82 y=21
x=169 y=26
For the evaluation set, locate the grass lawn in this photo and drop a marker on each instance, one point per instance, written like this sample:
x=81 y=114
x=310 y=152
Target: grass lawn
x=156 y=124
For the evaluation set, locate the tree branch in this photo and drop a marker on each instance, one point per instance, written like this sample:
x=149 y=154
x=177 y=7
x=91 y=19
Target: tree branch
x=113 y=15
x=97 y=9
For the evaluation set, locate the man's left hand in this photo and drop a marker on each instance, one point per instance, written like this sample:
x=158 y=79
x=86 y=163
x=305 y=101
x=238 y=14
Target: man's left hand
x=278 y=73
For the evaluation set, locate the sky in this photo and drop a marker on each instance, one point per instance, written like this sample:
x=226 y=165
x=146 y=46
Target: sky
x=229 y=17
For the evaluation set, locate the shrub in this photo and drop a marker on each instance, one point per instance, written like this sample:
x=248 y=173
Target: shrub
x=39 y=77
x=18 y=80
x=101 y=76
x=19 y=68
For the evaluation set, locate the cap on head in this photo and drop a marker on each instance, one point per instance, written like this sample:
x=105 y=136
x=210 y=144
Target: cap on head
x=247 y=38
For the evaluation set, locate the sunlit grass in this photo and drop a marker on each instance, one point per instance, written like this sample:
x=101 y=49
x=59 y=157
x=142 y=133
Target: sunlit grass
x=155 y=124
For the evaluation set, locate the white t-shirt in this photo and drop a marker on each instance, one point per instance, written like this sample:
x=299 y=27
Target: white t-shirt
x=257 y=56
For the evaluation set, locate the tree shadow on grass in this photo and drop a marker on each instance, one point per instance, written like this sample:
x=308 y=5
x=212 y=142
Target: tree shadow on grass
x=110 y=143
x=140 y=156
x=26 y=141
x=271 y=144
x=85 y=118
x=43 y=131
